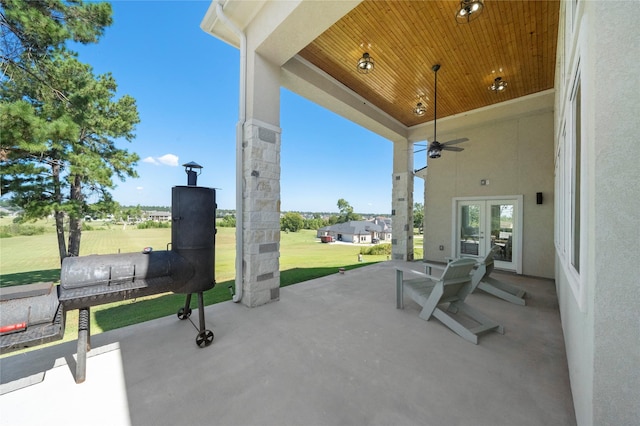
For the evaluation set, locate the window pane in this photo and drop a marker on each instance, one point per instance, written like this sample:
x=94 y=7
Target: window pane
x=469 y=227
x=502 y=231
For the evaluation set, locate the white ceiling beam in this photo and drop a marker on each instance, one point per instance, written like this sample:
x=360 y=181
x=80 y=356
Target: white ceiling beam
x=525 y=105
x=277 y=30
x=308 y=81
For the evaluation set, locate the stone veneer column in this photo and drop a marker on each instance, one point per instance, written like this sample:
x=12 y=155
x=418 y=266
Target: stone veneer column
x=261 y=200
x=402 y=201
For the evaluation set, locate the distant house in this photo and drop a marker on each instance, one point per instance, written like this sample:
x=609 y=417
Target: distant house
x=7 y=212
x=159 y=216
x=359 y=231
x=386 y=223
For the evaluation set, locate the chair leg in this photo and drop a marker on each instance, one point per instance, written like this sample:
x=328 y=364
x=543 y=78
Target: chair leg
x=486 y=323
x=477 y=275
x=502 y=290
x=431 y=305
x=455 y=326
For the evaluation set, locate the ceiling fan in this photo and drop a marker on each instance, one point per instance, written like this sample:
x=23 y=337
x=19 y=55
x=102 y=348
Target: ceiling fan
x=435 y=148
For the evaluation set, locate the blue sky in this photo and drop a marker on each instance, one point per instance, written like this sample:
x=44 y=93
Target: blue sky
x=185 y=83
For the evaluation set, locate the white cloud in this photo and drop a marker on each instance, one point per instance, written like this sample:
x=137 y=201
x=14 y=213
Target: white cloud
x=139 y=188
x=167 y=160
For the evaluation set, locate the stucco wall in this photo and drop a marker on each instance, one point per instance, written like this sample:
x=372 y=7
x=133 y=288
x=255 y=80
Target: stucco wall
x=516 y=156
x=577 y=325
x=600 y=321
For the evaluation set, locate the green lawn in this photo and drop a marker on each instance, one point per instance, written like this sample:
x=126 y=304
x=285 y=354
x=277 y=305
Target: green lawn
x=28 y=259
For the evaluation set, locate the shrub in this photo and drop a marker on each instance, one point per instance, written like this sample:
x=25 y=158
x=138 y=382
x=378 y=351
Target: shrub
x=378 y=249
x=152 y=224
x=229 y=221
x=16 y=229
x=291 y=221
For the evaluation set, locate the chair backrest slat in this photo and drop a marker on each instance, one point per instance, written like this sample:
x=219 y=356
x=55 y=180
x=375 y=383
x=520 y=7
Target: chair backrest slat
x=489 y=260
x=456 y=276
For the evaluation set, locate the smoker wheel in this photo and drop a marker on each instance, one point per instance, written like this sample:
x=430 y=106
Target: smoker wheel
x=204 y=338
x=184 y=315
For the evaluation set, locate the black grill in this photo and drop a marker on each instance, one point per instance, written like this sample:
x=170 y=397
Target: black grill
x=35 y=314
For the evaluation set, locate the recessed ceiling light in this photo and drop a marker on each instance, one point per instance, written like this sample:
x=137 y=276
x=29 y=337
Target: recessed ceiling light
x=469 y=10
x=498 y=85
x=365 y=64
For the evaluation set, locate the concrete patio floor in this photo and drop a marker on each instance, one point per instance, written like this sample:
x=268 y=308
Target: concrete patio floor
x=332 y=351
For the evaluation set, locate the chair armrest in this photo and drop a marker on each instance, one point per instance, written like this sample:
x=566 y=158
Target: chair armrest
x=436 y=265
x=429 y=266
x=422 y=274
x=451 y=259
x=401 y=282
x=432 y=277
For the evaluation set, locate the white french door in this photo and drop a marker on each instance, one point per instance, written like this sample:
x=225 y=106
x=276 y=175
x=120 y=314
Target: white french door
x=482 y=223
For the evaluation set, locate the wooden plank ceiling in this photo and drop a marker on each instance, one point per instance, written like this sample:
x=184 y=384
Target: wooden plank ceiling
x=515 y=40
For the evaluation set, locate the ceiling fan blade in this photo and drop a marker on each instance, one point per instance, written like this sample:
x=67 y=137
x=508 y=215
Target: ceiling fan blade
x=455 y=141
x=452 y=148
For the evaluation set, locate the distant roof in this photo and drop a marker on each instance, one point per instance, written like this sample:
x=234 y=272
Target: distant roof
x=354 y=227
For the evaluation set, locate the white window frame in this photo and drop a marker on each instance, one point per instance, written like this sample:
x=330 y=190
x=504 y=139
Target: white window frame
x=565 y=179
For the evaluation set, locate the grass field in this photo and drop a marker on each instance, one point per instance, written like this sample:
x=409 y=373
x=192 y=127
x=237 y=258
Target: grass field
x=29 y=259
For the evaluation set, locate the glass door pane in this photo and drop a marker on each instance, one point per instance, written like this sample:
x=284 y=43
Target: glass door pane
x=470 y=230
x=502 y=223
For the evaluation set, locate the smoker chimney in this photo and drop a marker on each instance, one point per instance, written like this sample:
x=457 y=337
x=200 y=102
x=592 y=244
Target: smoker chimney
x=192 y=174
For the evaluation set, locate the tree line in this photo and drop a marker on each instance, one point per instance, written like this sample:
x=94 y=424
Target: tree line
x=295 y=221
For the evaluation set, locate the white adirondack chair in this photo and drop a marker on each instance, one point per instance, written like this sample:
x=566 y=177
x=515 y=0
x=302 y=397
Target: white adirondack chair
x=450 y=289
x=481 y=279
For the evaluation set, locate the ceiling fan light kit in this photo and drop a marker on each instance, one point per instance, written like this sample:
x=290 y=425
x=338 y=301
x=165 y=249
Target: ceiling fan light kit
x=469 y=10
x=365 y=64
x=498 y=85
x=434 y=152
x=420 y=109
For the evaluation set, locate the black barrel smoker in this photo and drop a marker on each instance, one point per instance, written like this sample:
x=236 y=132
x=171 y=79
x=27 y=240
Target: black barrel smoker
x=187 y=268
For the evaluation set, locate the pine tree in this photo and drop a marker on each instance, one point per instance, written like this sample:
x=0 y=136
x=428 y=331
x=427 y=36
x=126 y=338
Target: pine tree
x=59 y=122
